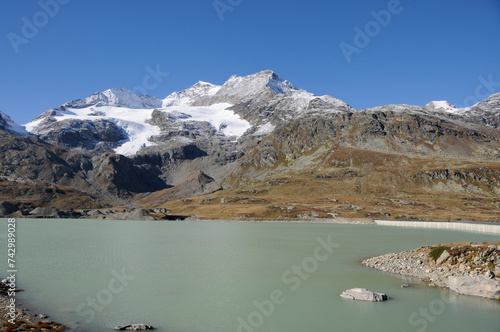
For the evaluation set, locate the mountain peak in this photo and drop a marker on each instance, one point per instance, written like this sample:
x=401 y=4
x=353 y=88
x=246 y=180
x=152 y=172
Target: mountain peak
x=118 y=97
x=279 y=85
x=203 y=83
x=187 y=96
x=441 y=105
x=238 y=87
x=492 y=102
x=263 y=79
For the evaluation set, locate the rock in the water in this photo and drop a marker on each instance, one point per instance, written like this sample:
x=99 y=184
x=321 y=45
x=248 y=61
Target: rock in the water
x=134 y=327
x=363 y=294
x=477 y=286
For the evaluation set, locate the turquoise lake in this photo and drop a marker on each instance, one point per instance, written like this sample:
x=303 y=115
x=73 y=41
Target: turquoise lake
x=188 y=276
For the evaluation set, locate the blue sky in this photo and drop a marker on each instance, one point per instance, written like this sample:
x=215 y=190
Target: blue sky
x=425 y=50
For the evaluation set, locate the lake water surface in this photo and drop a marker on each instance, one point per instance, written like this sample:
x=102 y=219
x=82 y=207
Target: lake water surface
x=221 y=276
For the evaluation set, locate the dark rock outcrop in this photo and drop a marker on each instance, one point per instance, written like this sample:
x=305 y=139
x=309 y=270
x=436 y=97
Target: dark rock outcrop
x=95 y=136
x=6 y=208
x=195 y=184
x=119 y=176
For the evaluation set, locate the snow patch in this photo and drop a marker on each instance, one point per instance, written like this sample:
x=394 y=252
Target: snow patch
x=32 y=126
x=132 y=120
x=264 y=129
x=441 y=105
x=218 y=115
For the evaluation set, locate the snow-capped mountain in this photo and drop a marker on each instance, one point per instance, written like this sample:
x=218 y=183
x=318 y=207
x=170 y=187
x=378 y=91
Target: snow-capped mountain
x=242 y=87
x=262 y=87
x=121 y=121
x=127 y=130
x=6 y=123
x=485 y=112
x=249 y=106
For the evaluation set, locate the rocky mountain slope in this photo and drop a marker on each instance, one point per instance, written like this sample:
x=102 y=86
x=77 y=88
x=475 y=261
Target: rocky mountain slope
x=262 y=136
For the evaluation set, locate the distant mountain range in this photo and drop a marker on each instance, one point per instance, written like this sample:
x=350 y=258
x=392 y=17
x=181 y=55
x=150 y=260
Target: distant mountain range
x=257 y=134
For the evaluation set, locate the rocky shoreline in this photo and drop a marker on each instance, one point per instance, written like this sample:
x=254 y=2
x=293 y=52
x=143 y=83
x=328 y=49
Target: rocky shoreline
x=467 y=268
x=22 y=318
x=105 y=214
x=151 y=215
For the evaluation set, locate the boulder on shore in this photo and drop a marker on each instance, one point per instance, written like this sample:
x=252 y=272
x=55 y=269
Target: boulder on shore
x=363 y=294
x=139 y=214
x=477 y=286
x=45 y=212
x=443 y=258
x=134 y=327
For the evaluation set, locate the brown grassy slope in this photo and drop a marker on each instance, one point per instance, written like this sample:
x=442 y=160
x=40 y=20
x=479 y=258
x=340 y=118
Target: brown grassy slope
x=44 y=194
x=328 y=181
